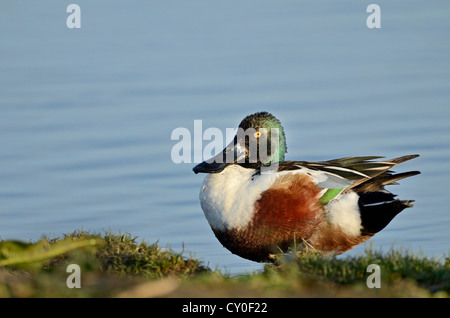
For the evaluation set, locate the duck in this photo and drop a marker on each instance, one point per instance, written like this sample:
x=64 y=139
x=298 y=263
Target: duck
x=259 y=205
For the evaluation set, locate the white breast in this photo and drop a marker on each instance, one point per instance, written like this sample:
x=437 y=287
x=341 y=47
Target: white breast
x=228 y=198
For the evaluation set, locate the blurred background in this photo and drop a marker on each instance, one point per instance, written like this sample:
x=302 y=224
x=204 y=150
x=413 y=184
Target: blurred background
x=86 y=115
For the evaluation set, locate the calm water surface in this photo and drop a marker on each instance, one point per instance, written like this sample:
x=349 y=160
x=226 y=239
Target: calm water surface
x=86 y=115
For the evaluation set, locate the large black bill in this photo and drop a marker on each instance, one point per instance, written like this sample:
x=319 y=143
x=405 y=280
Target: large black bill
x=231 y=154
x=213 y=167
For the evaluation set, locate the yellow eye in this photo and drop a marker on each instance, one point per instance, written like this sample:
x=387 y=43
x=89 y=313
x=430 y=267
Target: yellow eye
x=258 y=134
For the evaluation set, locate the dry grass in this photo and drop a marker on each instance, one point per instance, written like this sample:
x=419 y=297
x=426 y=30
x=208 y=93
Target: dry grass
x=116 y=265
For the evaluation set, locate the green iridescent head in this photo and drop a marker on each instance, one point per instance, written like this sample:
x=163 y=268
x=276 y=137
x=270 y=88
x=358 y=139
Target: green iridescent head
x=264 y=131
x=259 y=142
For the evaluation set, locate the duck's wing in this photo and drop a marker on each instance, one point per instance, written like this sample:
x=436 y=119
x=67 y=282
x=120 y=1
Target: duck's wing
x=362 y=174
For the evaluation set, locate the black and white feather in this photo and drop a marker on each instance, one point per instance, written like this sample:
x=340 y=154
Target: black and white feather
x=367 y=178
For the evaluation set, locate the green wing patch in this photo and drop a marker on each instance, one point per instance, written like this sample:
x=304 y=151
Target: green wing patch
x=329 y=195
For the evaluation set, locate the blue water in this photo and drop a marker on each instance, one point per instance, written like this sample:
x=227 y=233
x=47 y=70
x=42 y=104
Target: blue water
x=86 y=115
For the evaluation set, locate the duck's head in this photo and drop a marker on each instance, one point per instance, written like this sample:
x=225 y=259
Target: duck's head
x=259 y=142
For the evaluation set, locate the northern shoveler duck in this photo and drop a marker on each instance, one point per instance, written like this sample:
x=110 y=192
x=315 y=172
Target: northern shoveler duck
x=330 y=205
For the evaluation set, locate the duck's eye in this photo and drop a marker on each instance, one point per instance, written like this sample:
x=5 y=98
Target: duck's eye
x=258 y=134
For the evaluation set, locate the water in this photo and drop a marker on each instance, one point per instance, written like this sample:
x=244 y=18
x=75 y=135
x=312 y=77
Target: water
x=86 y=115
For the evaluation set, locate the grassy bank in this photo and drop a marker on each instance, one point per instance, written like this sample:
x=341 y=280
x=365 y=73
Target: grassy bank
x=113 y=265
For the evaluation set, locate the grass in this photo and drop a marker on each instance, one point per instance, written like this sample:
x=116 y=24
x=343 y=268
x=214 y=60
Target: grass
x=117 y=265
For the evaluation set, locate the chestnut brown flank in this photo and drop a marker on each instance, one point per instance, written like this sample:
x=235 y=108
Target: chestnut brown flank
x=290 y=205
x=288 y=211
x=329 y=239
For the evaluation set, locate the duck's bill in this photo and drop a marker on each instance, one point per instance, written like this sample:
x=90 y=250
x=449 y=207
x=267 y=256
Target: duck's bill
x=206 y=167
x=231 y=154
